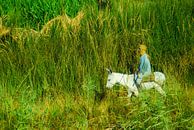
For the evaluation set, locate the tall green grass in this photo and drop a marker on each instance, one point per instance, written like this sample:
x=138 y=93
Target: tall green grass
x=63 y=110
x=59 y=81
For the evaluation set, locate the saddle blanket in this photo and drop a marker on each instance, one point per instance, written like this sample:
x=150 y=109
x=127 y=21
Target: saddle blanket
x=148 y=78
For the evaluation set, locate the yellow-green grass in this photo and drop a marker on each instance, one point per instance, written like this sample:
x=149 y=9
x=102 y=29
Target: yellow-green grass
x=62 y=110
x=58 y=81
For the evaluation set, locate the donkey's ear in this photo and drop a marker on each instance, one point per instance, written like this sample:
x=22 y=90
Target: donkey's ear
x=109 y=70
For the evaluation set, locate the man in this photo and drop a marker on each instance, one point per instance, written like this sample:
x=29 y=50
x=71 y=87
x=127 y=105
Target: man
x=144 y=69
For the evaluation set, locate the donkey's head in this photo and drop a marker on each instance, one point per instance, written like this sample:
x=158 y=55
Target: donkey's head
x=111 y=79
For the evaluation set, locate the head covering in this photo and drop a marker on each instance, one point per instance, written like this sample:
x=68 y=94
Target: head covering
x=142 y=47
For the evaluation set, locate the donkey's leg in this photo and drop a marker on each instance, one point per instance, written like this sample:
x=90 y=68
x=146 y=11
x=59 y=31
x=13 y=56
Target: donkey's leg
x=159 y=89
x=133 y=90
x=129 y=94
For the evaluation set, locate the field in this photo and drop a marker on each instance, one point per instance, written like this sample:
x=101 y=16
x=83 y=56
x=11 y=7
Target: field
x=54 y=55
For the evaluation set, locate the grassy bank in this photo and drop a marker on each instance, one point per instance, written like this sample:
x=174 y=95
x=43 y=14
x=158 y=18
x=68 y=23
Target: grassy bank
x=57 y=80
x=63 y=110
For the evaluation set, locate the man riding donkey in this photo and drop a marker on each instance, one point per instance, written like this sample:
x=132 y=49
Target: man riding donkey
x=144 y=73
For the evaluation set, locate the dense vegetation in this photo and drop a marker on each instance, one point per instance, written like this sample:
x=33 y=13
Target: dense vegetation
x=58 y=80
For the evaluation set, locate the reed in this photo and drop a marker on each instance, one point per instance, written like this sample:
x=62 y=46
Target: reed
x=52 y=75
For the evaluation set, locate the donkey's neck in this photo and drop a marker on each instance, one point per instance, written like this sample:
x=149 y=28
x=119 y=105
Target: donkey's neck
x=123 y=79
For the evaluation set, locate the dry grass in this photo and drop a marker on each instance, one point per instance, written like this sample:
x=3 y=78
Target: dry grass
x=63 y=96
x=3 y=30
x=63 y=22
x=60 y=22
x=20 y=34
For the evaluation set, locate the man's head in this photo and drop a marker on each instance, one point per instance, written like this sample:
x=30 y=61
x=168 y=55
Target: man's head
x=142 y=49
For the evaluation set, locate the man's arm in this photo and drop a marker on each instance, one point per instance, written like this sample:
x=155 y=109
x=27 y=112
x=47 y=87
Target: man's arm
x=142 y=59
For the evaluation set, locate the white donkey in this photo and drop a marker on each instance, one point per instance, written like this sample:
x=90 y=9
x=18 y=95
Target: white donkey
x=129 y=83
